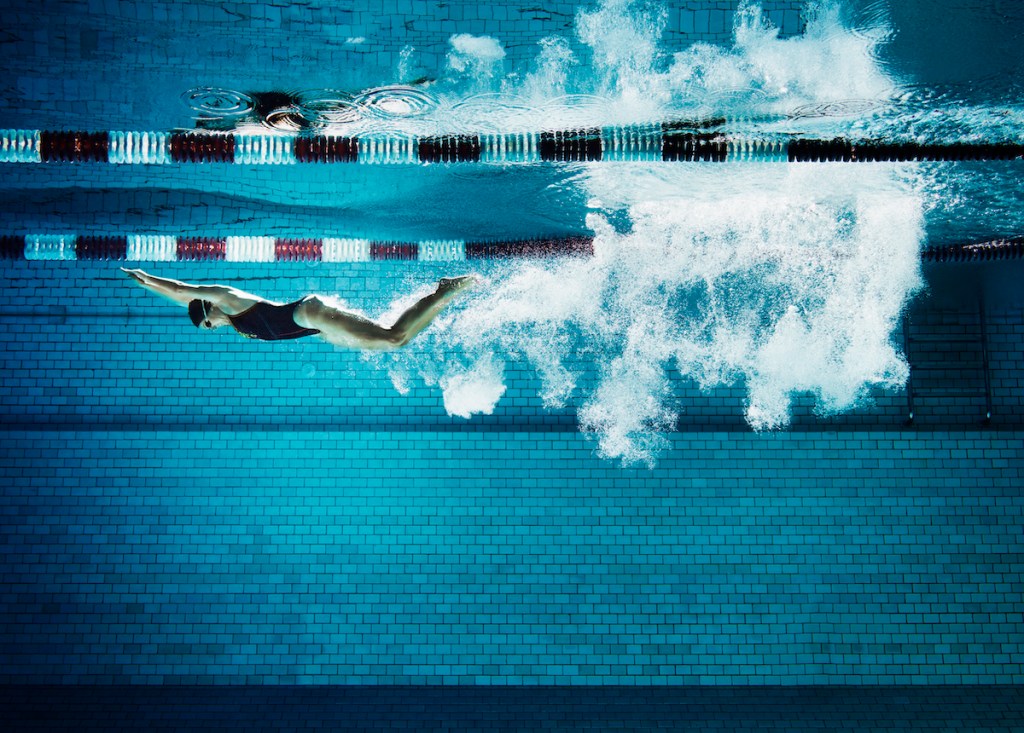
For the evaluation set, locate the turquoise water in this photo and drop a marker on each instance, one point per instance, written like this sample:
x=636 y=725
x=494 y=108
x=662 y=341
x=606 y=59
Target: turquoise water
x=684 y=461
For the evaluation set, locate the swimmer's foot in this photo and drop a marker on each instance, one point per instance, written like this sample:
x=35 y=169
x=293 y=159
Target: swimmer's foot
x=453 y=285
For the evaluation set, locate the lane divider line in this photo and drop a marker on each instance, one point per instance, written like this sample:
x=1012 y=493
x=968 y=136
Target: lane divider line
x=650 y=143
x=169 y=248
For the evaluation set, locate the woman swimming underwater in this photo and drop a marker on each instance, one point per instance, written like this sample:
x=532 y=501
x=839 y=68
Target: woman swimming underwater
x=213 y=306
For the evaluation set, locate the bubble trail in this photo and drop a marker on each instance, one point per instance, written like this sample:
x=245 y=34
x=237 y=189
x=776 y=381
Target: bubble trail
x=781 y=280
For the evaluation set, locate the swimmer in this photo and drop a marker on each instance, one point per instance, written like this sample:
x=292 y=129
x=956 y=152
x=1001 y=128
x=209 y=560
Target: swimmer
x=213 y=306
x=291 y=111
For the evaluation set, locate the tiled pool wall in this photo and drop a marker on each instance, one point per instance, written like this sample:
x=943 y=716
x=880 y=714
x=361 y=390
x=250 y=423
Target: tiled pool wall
x=193 y=508
x=403 y=557
x=58 y=57
x=84 y=348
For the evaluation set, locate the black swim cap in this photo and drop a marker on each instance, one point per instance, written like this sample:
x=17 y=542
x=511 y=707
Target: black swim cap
x=198 y=311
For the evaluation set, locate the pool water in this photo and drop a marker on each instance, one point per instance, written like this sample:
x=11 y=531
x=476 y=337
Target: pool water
x=751 y=454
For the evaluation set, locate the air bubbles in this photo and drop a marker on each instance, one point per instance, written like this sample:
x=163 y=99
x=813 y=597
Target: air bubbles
x=493 y=112
x=839 y=108
x=397 y=101
x=329 y=107
x=285 y=119
x=578 y=110
x=225 y=109
x=581 y=101
x=218 y=103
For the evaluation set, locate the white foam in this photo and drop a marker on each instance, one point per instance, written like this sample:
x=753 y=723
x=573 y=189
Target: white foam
x=614 y=71
x=782 y=280
x=549 y=79
x=764 y=74
x=622 y=37
x=474 y=391
x=477 y=56
x=789 y=284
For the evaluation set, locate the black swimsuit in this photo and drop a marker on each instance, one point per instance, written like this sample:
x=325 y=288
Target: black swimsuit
x=268 y=322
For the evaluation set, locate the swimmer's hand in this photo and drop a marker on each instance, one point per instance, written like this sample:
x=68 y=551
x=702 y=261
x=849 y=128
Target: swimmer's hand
x=453 y=285
x=137 y=275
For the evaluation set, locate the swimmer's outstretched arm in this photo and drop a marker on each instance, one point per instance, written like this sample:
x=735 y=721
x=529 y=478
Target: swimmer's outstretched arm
x=227 y=298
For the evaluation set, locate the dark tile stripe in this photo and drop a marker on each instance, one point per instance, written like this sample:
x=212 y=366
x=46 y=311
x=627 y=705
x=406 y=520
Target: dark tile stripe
x=494 y=708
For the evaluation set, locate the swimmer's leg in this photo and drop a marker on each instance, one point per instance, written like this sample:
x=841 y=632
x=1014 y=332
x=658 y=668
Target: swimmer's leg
x=414 y=320
x=346 y=328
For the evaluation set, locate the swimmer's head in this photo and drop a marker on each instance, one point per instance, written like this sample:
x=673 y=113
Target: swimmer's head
x=200 y=313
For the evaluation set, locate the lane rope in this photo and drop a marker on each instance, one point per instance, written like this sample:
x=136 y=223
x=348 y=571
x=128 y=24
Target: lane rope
x=171 y=248
x=638 y=143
